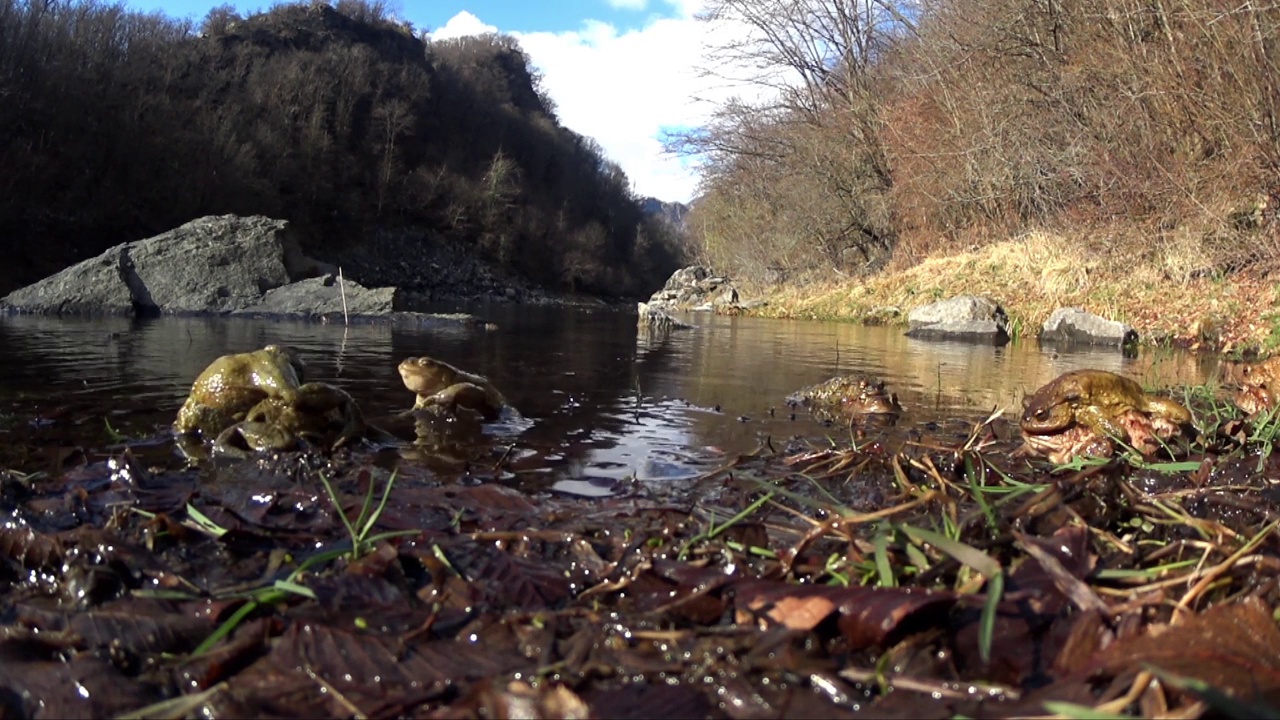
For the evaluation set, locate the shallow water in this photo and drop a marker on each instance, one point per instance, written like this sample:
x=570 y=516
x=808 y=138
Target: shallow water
x=599 y=402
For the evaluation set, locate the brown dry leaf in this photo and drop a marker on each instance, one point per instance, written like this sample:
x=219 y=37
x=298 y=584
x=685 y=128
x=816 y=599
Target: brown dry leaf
x=681 y=590
x=1056 y=570
x=796 y=612
x=509 y=580
x=490 y=496
x=867 y=616
x=1089 y=635
x=1233 y=647
x=30 y=549
x=139 y=626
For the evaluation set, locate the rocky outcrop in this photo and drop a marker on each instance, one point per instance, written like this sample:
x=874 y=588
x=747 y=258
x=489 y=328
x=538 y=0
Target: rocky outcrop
x=215 y=264
x=695 y=288
x=1074 y=326
x=429 y=267
x=672 y=212
x=656 y=318
x=969 y=318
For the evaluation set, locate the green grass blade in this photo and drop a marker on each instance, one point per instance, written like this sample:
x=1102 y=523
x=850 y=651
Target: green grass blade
x=885 y=576
x=112 y=433
x=1079 y=712
x=225 y=628
x=386 y=493
x=203 y=523
x=712 y=532
x=975 y=474
x=962 y=553
x=1169 y=468
x=293 y=587
x=337 y=505
x=987 y=621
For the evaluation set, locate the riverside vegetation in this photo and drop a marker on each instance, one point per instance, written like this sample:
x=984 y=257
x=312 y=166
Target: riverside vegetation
x=1120 y=155
x=339 y=118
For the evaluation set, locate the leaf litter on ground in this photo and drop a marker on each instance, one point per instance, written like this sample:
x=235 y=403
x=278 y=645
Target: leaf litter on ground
x=941 y=579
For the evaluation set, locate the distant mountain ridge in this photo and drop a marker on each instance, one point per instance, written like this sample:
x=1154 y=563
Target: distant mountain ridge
x=332 y=115
x=672 y=212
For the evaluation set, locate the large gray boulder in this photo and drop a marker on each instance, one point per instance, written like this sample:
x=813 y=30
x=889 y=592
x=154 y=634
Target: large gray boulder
x=694 y=288
x=968 y=318
x=1074 y=326
x=215 y=264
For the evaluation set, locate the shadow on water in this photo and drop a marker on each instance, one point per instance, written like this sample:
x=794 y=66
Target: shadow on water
x=600 y=402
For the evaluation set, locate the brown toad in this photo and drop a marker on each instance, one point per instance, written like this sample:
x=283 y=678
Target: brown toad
x=442 y=387
x=1081 y=411
x=1259 y=385
x=845 y=397
x=320 y=415
x=257 y=400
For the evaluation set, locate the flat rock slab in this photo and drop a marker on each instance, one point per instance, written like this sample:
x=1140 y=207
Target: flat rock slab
x=986 y=332
x=324 y=296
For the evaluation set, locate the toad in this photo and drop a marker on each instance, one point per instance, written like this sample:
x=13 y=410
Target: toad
x=845 y=396
x=233 y=384
x=320 y=415
x=443 y=388
x=257 y=401
x=1083 y=411
x=1259 y=384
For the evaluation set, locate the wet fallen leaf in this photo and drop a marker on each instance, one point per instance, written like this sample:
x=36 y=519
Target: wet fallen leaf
x=866 y=616
x=1234 y=647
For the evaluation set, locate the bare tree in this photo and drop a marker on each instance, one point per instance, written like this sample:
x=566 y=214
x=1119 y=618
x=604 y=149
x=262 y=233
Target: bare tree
x=808 y=117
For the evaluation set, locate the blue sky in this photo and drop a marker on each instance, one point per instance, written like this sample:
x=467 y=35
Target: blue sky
x=620 y=71
x=510 y=15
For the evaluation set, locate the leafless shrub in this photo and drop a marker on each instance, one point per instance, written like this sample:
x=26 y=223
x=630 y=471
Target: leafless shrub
x=963 y=121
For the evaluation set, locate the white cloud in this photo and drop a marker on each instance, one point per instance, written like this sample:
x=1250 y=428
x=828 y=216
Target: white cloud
x=460 y=25
x=628 y=4
x=622 y=89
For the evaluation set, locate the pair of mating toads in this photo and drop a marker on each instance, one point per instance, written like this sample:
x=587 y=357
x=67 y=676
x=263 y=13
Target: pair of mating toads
x=259 y=401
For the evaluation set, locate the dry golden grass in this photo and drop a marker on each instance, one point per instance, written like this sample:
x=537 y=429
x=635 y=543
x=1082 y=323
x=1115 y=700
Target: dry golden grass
x=1165 y=294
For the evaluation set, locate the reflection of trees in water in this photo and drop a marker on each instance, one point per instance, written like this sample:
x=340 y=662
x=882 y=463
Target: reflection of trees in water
x=748 y=365
x=167 y=354
x=573 y=373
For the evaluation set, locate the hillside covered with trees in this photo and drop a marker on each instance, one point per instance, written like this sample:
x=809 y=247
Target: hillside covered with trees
x=886 y=132
x=339 y=118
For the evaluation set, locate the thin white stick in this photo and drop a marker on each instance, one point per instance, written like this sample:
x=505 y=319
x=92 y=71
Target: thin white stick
x=343 y=289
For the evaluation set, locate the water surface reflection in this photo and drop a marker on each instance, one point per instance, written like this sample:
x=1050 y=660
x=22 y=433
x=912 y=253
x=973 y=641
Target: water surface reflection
x=601 y=402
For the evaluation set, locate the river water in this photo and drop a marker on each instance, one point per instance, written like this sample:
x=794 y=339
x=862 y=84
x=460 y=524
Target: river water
x=599 y=402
